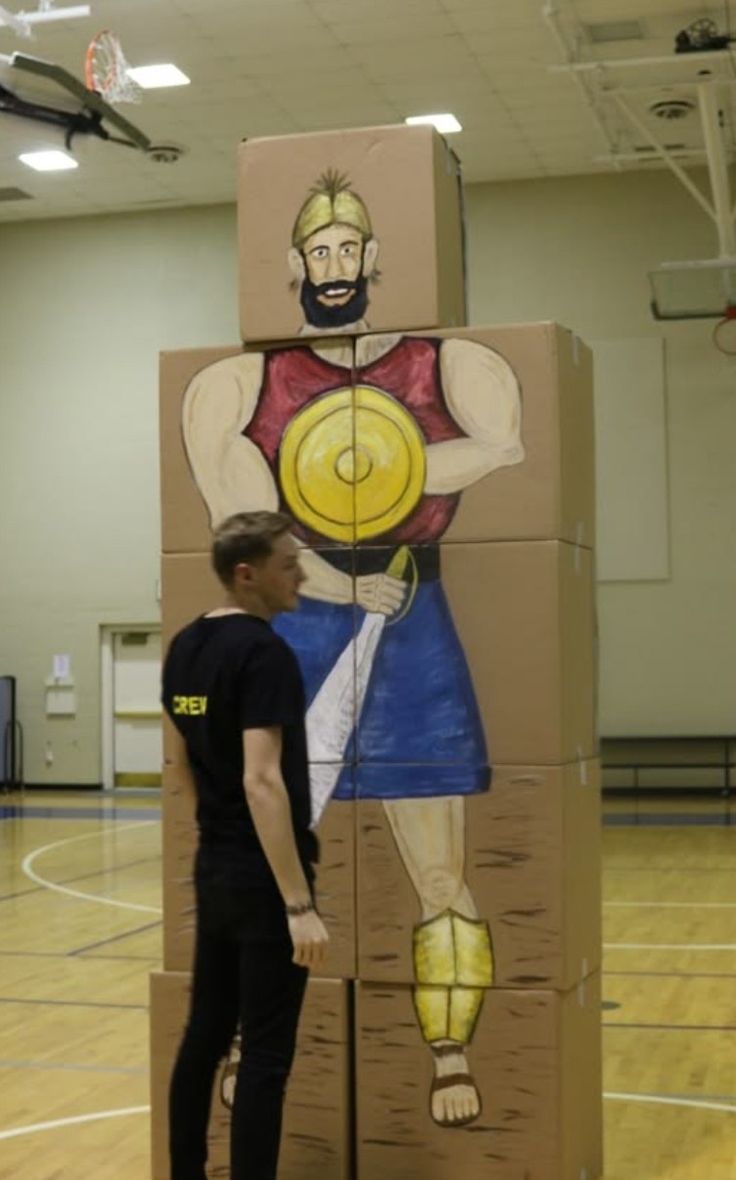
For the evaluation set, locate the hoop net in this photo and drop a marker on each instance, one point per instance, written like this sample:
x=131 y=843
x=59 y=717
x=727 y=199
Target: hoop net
x=724 y=333
x=106 y=70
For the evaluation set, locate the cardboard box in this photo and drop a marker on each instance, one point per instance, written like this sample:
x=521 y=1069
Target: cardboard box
x=523 y=613
x=208 y=396
x=335 y=884
x=380 y=207
x=536 y=1059
x=531 y=856
x=541 y=487
x=184 y=518
x=524 y=616
x=189 y=588
x=550 y=493
x=315 y=1138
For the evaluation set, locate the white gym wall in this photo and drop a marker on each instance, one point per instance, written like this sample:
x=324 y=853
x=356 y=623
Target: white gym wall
x=89 y=302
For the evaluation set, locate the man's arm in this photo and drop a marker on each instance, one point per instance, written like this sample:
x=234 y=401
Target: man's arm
x=270 y=809
x=482 y=394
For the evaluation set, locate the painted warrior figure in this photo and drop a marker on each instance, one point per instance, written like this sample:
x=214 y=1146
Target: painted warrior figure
x=368 y=443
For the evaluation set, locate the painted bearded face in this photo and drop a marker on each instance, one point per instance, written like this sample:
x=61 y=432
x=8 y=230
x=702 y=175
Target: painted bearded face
x=336 y=263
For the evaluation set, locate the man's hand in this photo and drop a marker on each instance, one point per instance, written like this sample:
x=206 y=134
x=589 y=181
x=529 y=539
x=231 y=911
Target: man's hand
x=380 y=593
x=310 y=938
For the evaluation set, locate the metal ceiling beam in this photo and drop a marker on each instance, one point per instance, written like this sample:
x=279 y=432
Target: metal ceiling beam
x=710 y=117
x=663 y=153
x=551 y=15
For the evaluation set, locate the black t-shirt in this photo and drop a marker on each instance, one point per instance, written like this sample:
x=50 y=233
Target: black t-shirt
x=222 y=675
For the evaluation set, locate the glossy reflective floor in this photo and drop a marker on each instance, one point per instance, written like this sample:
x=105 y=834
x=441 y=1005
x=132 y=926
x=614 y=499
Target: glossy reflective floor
x=80 y=930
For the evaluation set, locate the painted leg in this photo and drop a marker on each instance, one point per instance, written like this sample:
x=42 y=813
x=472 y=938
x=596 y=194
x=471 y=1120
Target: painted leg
x=229 y=1073
x=452 y=949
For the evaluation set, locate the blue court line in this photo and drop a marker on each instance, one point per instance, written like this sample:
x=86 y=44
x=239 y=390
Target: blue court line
x=623 y=819
x=24 y=811
x=668 y=819
x=115 y=938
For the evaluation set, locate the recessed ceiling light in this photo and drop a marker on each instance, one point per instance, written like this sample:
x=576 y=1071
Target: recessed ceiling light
x=48 y=161
x=153 y=77
x=446 y=124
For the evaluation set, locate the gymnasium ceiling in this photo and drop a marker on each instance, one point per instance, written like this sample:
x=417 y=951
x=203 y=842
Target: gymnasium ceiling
x=272 y=67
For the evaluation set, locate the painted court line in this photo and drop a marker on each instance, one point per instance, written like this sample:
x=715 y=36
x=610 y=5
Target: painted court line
x=75 y=1120
x=672 y=905
x=669 y=946
x=673 y=1027
x=73 y=1003
x=70 y=1066
x=661 y=1100
x=14 y=1132
x=93 y=946
x=27 y=868
x=131 y=864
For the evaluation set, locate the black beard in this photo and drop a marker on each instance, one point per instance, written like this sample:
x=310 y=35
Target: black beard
x=320 y=316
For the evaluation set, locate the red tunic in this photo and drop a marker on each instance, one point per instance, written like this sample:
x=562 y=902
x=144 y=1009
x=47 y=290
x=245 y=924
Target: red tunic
x=293 y=377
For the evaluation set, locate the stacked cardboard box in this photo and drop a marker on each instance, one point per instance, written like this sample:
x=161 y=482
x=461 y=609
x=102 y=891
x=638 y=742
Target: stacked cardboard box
x=515 y=562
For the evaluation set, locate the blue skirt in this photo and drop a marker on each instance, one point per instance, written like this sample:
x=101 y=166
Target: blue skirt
x=419 y=733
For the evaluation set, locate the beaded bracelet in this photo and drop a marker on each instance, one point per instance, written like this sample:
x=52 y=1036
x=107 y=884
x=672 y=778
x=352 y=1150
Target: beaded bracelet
x=296 y=911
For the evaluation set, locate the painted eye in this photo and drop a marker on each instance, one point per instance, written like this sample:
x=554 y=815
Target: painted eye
x=320 y=252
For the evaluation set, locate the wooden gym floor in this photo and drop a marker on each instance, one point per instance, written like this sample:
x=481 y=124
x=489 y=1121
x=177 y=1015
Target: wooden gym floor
x=80 y=930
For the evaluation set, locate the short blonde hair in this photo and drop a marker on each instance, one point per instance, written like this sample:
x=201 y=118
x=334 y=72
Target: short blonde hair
x=246 y=537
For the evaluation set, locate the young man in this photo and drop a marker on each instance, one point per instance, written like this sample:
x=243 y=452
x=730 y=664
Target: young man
x=234 y=692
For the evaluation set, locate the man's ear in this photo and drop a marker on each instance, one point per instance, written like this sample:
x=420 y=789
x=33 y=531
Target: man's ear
x=243 y=574
x=370 y=254
x=296 y=265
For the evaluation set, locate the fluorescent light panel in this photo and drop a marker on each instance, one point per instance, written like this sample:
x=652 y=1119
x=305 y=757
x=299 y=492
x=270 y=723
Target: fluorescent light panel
x=155 y=77
x=445 y=124
x=51 y=161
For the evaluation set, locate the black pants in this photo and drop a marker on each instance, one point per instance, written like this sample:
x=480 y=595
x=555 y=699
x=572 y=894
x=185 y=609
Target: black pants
x=243 y=975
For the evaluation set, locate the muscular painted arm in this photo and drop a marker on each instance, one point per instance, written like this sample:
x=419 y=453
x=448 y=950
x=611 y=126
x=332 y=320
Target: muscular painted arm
x=482 y=394
x=230 y=470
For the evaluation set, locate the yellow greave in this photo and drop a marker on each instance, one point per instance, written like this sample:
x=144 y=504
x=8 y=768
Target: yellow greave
x=453 y=963
x=465 y=1006
x=451 y=949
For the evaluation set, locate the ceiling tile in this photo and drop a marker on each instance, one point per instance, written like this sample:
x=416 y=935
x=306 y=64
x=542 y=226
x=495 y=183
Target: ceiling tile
x=267 y=67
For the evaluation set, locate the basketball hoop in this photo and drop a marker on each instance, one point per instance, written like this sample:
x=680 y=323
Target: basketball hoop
x=106 y=70
x=724 y=333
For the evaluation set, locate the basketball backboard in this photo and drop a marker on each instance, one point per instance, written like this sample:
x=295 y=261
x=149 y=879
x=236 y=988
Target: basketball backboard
x=693 y=290
x=36 y=89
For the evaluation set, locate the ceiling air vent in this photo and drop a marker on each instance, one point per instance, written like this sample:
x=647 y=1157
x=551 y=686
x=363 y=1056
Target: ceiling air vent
x=673 y=108
x=614 y=30
x=14 y=194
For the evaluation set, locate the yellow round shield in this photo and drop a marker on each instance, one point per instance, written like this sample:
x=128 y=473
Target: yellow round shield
x=352 y=464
